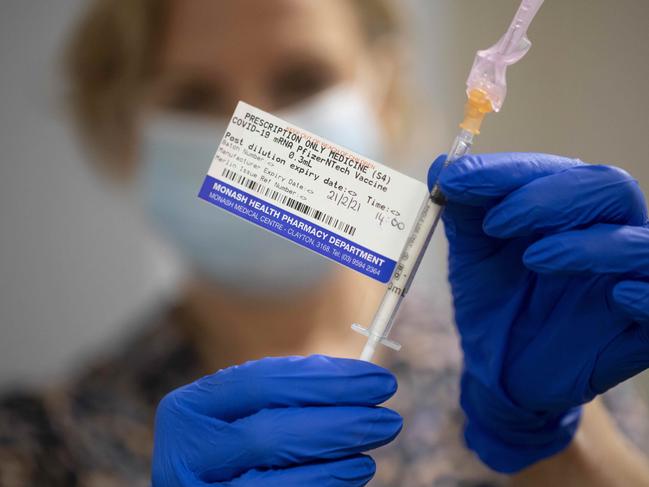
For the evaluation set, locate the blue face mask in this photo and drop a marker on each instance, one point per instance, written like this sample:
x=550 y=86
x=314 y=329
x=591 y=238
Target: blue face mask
x=231 y=252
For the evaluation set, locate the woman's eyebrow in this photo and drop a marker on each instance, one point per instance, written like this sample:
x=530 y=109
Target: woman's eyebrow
x=180 y=77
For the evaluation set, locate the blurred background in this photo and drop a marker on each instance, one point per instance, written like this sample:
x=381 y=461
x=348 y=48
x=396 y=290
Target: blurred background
x=76 y=264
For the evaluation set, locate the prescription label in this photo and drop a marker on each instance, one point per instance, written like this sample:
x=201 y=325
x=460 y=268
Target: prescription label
x=313 y=192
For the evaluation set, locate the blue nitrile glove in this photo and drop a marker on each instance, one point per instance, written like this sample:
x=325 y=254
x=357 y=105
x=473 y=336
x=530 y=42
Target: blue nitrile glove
x=548 y=264
x=275 y=422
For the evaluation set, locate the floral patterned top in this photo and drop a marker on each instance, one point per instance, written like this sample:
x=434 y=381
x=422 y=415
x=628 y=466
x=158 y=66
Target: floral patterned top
x=96 y=430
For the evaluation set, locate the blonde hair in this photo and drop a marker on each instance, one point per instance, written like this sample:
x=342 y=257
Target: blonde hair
x=110 y=57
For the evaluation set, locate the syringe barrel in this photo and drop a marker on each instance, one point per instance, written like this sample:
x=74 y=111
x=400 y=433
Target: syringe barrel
x=406 y=268
x=413 y=253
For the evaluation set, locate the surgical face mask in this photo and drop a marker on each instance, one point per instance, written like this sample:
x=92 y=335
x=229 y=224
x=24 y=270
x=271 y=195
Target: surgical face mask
x=176 y=153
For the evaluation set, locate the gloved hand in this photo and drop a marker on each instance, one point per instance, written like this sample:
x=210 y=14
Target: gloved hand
x=275 y=422
x=548 y=264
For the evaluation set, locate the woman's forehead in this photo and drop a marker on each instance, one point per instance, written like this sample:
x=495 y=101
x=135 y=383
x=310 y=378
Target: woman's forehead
x=233 y=32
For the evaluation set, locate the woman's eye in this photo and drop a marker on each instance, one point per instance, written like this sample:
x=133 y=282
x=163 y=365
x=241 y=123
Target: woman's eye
x=298 y=82
x=192 y=98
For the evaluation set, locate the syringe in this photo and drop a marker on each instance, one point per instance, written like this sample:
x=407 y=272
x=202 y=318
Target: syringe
x=486 y=90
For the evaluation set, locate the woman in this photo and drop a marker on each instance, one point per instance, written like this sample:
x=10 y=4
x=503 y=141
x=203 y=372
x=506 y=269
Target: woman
x=152 y=83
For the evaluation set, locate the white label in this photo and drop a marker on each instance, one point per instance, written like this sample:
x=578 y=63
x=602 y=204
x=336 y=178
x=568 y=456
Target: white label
x=313 y=192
